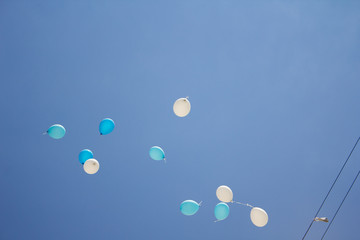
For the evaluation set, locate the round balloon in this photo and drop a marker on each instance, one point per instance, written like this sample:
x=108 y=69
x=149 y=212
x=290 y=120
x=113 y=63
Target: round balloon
x=91 y=166
x=85 y=155
x=224 y=194
x=259 y=217
x=189 y=207
x=106 y=126
x=156 y=153
x=56 y=131
x=182 y=107
x=222 y=211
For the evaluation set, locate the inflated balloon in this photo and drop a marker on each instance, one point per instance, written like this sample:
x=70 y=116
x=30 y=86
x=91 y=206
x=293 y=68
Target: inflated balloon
x=91 y=166
x=156 y=153
x=189 y=207
x=222 y=211
x=56 y=131
x=182 y=107
x=85 y=155
x=224 y=194
x=259 y=217
x=106 y=126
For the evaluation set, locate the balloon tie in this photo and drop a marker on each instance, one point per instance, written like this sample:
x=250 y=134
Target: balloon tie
x=164 y=160
x=244 y=204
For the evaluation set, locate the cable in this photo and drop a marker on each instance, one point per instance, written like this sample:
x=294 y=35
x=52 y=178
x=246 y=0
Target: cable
x=330 y=189
x=340 y=205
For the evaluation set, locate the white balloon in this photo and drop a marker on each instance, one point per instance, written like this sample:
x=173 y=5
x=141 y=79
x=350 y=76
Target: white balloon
x=259 y=217
x=182 y=107
x=91 y=166
x=224 y=194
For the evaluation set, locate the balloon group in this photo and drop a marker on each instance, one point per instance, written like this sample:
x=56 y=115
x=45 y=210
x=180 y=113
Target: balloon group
x=91 y=166
x=85 y=155
x=156 y=153
x=221 y=211
x=106 y=126
x=224 y=194
x=189 y=207
x=56 y=131
x=259 y=217
x=182 y=107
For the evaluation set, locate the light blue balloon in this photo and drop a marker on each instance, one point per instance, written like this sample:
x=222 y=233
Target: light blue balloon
x=156 y=153
x=85 y=155
x=106 y=126
x=222 y=211
x=56 y=131
x=189 y=207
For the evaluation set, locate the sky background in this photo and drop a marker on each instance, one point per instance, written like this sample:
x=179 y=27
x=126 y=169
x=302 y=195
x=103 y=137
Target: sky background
x=274 y=88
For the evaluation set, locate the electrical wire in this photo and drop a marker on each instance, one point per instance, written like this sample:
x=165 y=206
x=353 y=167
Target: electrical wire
x=340 y=206
x=330 y=189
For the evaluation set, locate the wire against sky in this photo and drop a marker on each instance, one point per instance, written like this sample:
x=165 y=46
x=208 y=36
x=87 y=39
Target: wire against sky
x=340 y=205
x=312 y=221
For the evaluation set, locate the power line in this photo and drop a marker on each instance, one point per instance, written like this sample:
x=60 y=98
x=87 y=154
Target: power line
x=330 y=189
x=340 y=205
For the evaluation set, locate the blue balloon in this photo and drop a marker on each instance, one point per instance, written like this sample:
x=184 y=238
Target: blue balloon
x=156 y=153
x=189 y=207
x=56 y=131
x=106 y=126
x=85 y=155
x=222 y=211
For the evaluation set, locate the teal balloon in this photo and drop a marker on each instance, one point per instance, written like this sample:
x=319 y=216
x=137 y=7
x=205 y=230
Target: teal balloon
x=189 y=207
x=222 y=211
x=85 y=155
x=156 y=153
x=106 y=126
x=56 y=131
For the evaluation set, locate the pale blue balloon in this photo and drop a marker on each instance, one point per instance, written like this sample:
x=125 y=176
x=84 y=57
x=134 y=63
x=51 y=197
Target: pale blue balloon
x=106 y=126
x=189 y=207
x=56 y=131
x=156 y=153
x=85 y=155
x=222 y=211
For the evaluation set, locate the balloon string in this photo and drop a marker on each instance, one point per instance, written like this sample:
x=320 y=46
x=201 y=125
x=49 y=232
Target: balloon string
x=200 y=203
x=44 y=133
x=244 y=204
x=164 y=160
x=217 y=221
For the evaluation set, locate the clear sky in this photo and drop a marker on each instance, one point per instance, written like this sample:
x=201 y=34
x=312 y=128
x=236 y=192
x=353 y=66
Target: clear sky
x=274 y=88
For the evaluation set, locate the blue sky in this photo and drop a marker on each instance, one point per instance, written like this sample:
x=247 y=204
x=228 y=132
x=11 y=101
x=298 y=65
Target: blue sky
x=274 y=88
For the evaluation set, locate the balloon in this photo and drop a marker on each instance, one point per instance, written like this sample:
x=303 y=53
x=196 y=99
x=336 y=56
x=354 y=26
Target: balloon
x=182 y=107
x=224 y=194
x=156 y=153
x=106 y=126
x=189 y=207
x=91 y=166
x=259 y=217
x=56 y=131
x=85 y=155
x=222 y=211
